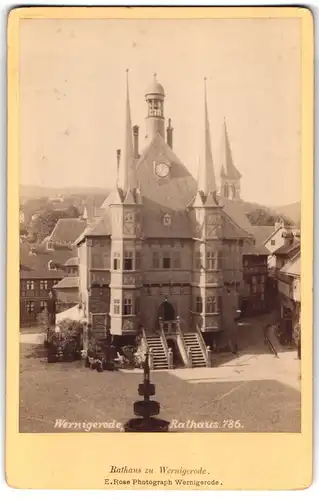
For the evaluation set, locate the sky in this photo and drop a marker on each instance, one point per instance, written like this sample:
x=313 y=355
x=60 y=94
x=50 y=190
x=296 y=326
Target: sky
x=72 y=97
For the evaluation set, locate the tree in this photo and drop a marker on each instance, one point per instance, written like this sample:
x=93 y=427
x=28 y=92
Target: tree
x=46 y=220
x=264 y=217
x=70 y=327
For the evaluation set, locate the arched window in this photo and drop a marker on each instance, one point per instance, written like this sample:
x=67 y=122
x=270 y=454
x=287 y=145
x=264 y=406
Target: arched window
x=226 y=191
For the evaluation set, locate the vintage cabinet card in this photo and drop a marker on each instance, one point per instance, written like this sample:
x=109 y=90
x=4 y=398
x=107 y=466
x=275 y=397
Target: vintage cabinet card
x=160 y=245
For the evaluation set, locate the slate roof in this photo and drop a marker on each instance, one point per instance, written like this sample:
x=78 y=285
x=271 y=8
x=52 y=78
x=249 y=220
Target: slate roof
x=235 y=211
x=161 y=197
x=174 y=194
x=153 y=226
x=102 y=227
x=35 y=265
x=288 y=248
x=67 y=230
x=68 y=282
x=257 y=249
x=292 y=267
x=72 y=261
x=262 y=233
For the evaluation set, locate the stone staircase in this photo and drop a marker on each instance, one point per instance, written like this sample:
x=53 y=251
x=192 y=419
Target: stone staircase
x=191 y=341
x=155 y=343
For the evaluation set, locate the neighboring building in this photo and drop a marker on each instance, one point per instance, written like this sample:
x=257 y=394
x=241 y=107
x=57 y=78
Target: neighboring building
x=289 y=294
x=286 y=252
x=40 y=270
x=45 y=265
x=256 y=294
x=167 y=251
x=262 y=234
x=67 y=290
x=65 y=233
x=277 y=239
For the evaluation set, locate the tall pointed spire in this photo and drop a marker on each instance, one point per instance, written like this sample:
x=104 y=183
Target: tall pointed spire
x=206 y=177
x=228 y=168
x=127 y=177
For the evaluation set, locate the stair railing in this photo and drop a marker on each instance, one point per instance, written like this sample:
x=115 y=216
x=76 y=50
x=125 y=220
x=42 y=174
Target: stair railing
x=202 y=344
x=182 y=345
x=144 y=343
x=163 y=338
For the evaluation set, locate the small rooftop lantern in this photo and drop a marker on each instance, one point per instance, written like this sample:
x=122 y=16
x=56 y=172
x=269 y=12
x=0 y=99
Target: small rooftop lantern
x=146 y=410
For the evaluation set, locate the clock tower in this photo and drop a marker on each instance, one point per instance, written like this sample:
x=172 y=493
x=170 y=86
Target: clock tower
x=155 y=120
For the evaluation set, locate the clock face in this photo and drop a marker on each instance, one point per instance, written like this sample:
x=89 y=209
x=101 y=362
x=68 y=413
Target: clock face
x=162 y=170
x=128 y=217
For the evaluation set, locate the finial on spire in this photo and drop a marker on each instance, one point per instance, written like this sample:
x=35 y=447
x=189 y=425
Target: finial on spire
x=205 y=88
x=155 y=75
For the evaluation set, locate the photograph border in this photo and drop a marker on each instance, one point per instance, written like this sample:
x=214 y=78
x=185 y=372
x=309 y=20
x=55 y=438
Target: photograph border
x=237 y=461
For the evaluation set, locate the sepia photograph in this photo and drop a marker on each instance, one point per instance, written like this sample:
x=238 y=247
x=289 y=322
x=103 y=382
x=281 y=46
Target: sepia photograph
x=160 y=225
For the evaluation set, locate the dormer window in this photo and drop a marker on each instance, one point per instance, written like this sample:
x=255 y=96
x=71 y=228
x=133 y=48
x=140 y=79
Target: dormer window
x=167 y=220
x=51 y=265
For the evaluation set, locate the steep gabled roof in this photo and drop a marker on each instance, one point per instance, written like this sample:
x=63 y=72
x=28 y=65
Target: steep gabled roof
x=233 y=230
x=292 y=267
x=174 y=194
x=67 y=230
x=288 y=248
x=153 y=221
x=263 y=233
x=115 y=196
x=102 y=226
x=235 y=211
x=35 y=264
x=256 y=249
x=68 y=282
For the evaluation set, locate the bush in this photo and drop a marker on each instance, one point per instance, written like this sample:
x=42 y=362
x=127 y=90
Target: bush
x=100 y=357
x=67 y=344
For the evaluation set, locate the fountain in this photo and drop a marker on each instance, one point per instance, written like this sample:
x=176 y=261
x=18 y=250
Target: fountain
x=146 y=409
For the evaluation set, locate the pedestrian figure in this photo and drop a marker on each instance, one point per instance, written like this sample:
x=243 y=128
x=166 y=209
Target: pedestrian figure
x=266 y=334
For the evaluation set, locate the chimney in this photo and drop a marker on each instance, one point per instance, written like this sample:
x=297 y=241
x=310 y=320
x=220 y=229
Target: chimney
x=135 y=141
x=169 y=134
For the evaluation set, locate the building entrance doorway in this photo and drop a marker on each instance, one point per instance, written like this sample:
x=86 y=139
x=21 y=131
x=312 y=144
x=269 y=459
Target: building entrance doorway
x=166 y=311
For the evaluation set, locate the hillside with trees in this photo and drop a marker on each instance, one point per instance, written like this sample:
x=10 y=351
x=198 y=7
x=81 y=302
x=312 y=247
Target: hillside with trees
x=265 y=217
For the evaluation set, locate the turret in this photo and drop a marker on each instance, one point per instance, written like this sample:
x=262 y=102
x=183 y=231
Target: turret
x=154 y=97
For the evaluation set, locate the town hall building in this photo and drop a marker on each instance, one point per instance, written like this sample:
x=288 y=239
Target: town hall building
x=164 y=254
